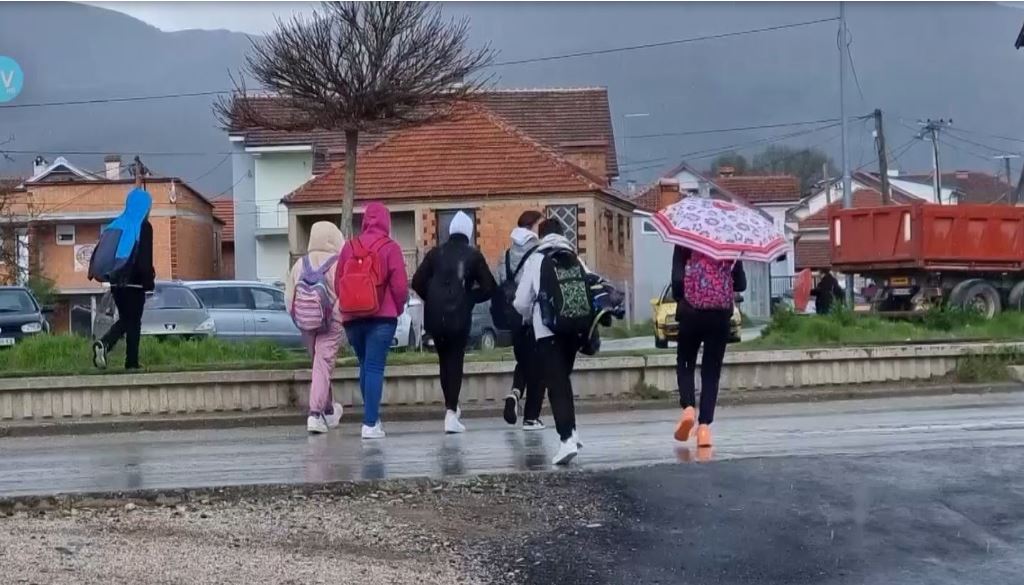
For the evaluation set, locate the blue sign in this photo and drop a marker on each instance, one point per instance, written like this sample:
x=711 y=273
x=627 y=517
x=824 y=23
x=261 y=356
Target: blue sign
x=12 y=79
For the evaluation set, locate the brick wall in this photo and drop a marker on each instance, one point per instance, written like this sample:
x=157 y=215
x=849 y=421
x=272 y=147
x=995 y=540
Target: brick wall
x=613 y=245
x=195 y=252
x=227 y=265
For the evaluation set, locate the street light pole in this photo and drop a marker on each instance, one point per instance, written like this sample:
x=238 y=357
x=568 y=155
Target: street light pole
x=847 y=189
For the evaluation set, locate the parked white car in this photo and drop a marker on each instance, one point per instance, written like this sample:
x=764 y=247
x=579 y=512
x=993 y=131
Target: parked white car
x=409 y=333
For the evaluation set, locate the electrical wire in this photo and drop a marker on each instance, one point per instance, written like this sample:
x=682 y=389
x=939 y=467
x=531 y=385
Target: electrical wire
x=663 y=43
x=734 y=129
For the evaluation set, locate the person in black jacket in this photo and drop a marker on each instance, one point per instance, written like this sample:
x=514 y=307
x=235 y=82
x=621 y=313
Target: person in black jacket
x=826 y=293
x=130 y=299
x=707 y=327
x=452 y=279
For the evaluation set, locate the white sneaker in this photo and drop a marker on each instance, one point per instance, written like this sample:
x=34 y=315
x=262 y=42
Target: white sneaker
x=533 y=425
x=374 y=432
x=567 y=451
x=99 y=355
x=576 y=439
x=452 y=424
x=316 y=423
x=333 y=420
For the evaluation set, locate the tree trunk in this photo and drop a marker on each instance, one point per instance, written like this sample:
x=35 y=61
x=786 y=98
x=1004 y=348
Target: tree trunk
x=349 y=199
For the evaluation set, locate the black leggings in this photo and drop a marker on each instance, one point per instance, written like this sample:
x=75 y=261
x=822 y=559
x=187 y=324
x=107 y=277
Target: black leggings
x=557 y=355
x=130 y=302
x=526 y=378
x=710 y=328
x=451 y=353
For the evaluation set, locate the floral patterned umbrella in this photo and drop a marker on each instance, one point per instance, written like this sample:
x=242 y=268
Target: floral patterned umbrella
x=720 y=229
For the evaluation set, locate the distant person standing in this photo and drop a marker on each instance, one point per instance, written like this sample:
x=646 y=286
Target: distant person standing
x=553 y=293
x=705 y=290
x=313 y=304
x=451 y=280
x=373 y=288
x=134 y=276
x=526 y=378
x=827 y=292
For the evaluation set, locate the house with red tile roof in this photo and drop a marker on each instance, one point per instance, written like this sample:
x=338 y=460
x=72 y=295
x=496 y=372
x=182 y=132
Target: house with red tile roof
x=573 y=123
x=478 y=162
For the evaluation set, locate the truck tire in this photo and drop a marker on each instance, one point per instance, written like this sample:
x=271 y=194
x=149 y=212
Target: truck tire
x=1016 y=300
x=977 y=294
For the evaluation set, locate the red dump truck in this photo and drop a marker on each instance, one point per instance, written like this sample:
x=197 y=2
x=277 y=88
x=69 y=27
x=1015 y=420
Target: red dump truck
x=920 y=256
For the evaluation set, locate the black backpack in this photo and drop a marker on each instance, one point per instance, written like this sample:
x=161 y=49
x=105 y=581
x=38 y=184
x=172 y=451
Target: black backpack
x=503 y=313
x=566 y=305
x=448 y=309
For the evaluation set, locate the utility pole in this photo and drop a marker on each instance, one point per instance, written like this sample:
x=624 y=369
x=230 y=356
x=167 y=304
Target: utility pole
x=932 y=128
x=883 y=160
x=1009 y=177
x=847 y=189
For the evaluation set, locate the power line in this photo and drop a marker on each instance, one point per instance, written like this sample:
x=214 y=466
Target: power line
x=137 y=98
x=699 y=154
x=663 y=43
x=735 y=129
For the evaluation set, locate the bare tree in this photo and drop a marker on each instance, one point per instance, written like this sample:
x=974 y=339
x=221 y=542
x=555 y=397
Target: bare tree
x=357 y=66
x=15 y=208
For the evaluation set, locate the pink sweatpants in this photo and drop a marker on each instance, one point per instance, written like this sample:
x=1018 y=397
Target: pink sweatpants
x=323 y=348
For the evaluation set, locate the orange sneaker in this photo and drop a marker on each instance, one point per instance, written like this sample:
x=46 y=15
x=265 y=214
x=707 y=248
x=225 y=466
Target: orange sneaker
x=685 y=425
x=704 y=436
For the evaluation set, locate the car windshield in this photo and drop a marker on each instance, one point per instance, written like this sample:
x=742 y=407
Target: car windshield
x=172 y=297
x=16 y=301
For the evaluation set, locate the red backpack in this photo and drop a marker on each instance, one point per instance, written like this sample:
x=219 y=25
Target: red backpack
x=359 y=280
x=708 y=283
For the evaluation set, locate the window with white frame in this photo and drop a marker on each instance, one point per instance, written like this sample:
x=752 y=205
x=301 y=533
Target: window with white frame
x=65 y=235
x=569 y=216
x=647 y=227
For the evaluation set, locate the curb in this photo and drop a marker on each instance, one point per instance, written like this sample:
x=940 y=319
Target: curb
x=287 y=417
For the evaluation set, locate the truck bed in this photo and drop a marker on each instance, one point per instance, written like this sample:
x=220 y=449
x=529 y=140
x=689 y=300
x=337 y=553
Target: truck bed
x=927 y=236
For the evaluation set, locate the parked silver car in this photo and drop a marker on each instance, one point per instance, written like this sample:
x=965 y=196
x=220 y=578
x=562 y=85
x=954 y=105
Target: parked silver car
x=247 y=311
x=172 y=310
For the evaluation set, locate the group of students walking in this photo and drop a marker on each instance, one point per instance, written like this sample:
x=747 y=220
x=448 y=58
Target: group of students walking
x=540 y=290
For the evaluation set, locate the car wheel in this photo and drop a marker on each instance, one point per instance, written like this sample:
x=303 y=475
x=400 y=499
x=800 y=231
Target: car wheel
x=488 y=340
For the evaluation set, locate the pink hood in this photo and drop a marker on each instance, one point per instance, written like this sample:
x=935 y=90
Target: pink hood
x=394 y=290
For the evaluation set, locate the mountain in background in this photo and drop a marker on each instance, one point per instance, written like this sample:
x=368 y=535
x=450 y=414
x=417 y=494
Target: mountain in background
x=912 y=60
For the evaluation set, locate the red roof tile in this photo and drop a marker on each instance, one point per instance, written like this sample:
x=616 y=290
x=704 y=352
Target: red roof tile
x=762 y=189
x=861 y=198
x=813 y=254
x=561 y=118
x=471 y=153
x=224 y=210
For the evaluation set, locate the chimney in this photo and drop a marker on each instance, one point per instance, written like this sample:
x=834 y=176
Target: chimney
x=112 y=164
x=631 y=188
x=963 y=175
x=668 y=192
x=39 y=165
x=726 y=171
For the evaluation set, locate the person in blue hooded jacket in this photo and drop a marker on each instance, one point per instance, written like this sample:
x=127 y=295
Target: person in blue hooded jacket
x=138 y=278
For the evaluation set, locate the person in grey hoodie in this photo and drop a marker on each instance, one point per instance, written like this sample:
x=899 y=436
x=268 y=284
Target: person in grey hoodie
x=556 y=354
x=526 y=379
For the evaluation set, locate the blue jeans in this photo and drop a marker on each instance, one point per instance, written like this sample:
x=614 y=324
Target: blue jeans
x=371 y=340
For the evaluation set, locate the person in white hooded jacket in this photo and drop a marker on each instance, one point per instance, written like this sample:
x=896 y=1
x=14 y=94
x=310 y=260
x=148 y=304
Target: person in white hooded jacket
x=556 y=353
x=526 y=378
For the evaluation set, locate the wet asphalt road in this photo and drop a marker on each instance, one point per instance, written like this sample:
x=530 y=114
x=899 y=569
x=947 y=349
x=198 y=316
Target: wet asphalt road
x=936 y=517
x=161 y=460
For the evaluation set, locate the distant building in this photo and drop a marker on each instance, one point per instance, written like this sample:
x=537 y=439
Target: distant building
x=63 y=210
x=574 y=124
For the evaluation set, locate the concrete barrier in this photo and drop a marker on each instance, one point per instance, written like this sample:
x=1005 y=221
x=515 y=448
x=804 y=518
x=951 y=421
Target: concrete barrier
x=102 y=396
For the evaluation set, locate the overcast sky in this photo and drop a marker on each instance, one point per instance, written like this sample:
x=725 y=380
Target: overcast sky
x=248 y=17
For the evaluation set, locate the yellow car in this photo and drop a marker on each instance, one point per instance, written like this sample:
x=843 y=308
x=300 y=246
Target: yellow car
x=666 y=328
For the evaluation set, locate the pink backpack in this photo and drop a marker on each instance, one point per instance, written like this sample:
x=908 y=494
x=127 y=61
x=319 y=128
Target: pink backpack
x=312 y=309
x=708 y=283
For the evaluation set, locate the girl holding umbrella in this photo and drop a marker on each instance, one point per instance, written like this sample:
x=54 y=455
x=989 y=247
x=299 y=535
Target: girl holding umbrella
x=710 y=237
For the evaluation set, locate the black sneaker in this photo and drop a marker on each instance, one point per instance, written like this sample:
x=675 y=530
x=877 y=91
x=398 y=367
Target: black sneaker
x=99 y=355
x=533 y=425
x=511 y=412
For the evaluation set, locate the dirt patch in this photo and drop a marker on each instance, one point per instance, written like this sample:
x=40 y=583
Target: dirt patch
x=462 y=532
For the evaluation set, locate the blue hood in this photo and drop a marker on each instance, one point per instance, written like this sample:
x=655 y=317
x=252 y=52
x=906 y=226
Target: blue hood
x=136 y=208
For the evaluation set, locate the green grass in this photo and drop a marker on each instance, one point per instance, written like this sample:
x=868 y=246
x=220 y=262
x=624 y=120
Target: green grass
x=620 y=331
x=844 y=328
x=70 y=355
x=981 y=368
